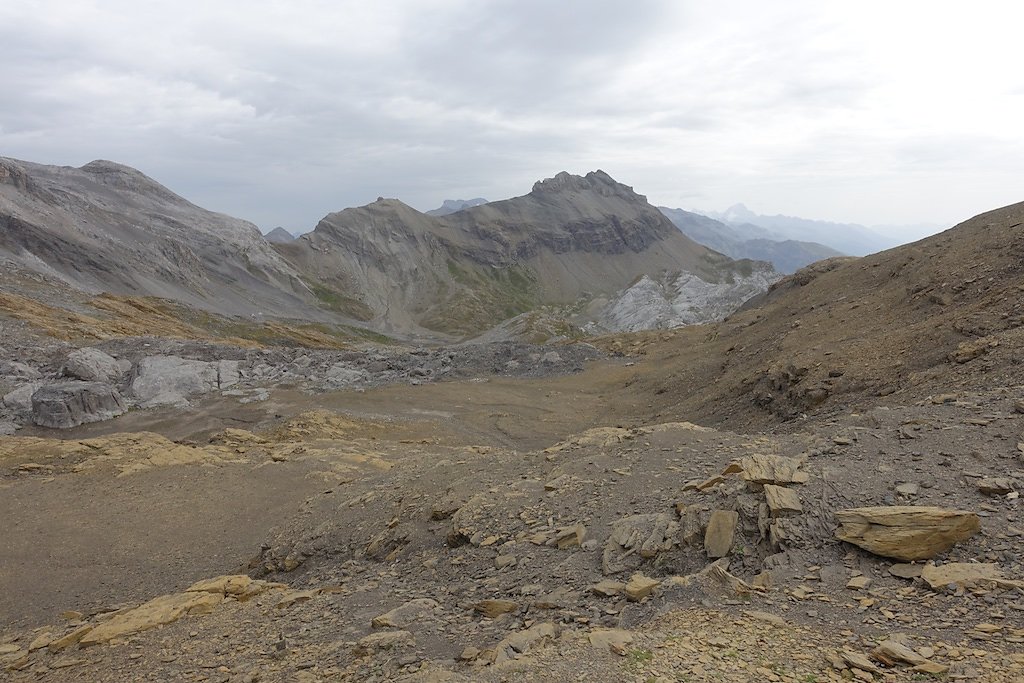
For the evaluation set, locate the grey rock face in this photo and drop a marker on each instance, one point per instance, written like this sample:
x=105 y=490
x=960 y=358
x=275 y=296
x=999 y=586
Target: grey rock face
x=91 y=365
x=74 y=403
x=169 y=380
x=18 y=370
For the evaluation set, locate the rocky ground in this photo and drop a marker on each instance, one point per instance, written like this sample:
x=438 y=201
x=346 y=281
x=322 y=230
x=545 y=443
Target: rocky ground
x=494 y=527
x=825 y=486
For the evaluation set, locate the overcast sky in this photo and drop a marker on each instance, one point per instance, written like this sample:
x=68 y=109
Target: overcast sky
x=888 y=112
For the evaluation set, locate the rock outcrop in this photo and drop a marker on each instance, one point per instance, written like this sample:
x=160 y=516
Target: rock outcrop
x=74 y=403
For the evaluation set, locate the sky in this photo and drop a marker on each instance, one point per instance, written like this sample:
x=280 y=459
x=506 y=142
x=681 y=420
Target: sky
x=880 y=113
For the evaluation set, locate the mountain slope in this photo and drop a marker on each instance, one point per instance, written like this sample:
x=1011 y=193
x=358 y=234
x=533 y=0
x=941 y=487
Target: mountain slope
x=107 y=227
x=570 y=238
x=942 y=315
x=745 y=240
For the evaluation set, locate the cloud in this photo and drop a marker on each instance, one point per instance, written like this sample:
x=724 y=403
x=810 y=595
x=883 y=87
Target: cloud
x=281 y=112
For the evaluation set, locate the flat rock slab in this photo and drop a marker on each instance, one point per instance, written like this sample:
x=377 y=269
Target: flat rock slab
x=720 y=532
x=906 y=532
x=967 y=575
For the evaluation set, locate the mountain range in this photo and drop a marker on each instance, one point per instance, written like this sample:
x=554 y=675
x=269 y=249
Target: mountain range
x=848 y=238
x=574 y=242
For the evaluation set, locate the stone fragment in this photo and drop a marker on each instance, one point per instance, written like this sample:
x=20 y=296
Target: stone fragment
x=1018 y=406
x=503 y=561
x=770 y=469
x=638 y=538
x=891 y=652
x=858 y=583
x=69 y=639
x=782 y=501
x=719 y=535
x=997 y=486
x=639 y=587
x=289 y=598
x=905 y=532
x=520 y=642
x=495 y=608
x=614 y=639
x=859 y=661
x=384 y=640
x=765 y=617
x=91 y=365
x=608 y=588
x=932 y=668
x=908 y=489
x=406 y=614
x=967 y=575
x=61 y=406
x=906 y=571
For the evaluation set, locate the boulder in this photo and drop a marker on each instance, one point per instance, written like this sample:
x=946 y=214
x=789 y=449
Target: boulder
x=906 y=532
x=74 y=403
x=91 y=365
x=169 y=380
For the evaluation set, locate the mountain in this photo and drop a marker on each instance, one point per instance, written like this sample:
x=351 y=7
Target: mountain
x=847 y=238
x=279 y=236
x=452 y=205
x=105 y=227
x=745 y=240
x=570 y=242
x=940 y=315
x=571 y=238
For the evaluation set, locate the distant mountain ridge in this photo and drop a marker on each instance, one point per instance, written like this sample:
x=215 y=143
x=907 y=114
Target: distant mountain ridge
x=279 y=236
x=452 y=205
x=748 y=241
x=848 y=238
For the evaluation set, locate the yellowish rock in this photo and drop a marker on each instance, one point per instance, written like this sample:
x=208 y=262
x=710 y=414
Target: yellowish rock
x=967 y=575
x=495 y=608
x=720 y=532
x=906 y=532
x=158 y=611
x=782 y=501
x=639 y=587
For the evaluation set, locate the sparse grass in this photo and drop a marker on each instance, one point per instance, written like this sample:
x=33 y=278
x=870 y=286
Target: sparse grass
x=636 y=659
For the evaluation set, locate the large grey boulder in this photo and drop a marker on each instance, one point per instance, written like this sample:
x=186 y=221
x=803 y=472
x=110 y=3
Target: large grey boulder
x=91 y=365
x=169 y=380
x=74 y=403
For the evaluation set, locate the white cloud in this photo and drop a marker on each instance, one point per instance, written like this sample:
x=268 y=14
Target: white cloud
x=280 y=112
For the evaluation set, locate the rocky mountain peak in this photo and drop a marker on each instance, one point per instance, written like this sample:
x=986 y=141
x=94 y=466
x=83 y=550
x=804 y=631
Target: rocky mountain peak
x=598 y=182
x=121 y=177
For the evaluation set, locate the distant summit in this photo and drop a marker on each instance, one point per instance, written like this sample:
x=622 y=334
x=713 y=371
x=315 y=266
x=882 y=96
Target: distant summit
x=452 y=205
x=279 y=236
